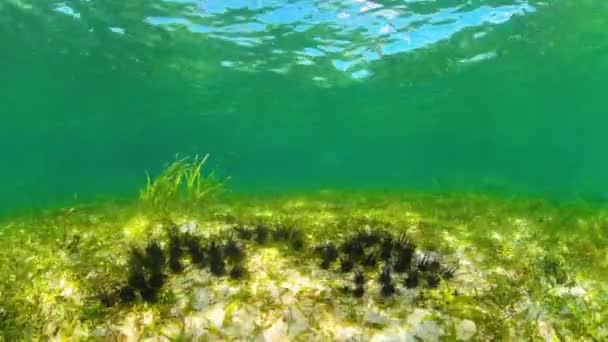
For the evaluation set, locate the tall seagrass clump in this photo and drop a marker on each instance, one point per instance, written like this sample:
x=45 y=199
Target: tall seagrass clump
x=180 y=183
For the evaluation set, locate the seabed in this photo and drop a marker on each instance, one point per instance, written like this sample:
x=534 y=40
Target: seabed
x=320 y=267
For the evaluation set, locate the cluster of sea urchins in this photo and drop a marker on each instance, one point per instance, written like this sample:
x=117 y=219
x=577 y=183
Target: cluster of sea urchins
x=147 y=269
x=222 y=255
x=391 y=255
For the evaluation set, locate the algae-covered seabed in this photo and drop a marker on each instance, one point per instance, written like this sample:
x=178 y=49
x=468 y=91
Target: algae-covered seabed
x=527 y=270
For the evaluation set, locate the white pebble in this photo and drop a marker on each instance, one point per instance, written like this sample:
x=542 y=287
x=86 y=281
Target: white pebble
x=276 y=333
x=465 y=330
x=577 y=291
x=429 y=331
x=296 y=320
x=373 y=317
x=215 y=315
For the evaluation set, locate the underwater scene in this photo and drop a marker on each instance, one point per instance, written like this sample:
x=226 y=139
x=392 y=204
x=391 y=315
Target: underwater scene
x=303 y=170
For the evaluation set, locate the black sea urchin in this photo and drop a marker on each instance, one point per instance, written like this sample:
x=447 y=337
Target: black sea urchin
x=237 y=271
x=370 y=260
x=217 y=265
x=428 y=264
x=346 y=264
x=195 y=249
x=353 y=248
x=329 y=254
x=359 y=278
x=386 y=248
x=387 y=289
x=261 y=234
x=412 y=279
x=404 y=252
x=385 y=275
x=175 y=251
x=233 y=251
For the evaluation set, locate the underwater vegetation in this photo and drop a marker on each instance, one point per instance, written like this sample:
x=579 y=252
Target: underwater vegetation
x=327 y=266
x=182 y=181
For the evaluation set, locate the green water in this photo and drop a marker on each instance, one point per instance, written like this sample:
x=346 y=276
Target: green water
x=501 y=96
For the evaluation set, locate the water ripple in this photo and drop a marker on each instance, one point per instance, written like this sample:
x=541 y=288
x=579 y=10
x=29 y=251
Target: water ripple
x=348 y=35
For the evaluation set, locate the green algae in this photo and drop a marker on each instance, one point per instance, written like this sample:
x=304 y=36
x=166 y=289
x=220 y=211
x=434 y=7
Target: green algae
x=527 y=269
x=180 y=183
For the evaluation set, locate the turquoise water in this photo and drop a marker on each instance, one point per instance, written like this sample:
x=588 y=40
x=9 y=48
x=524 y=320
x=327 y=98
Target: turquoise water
x=497 y=96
